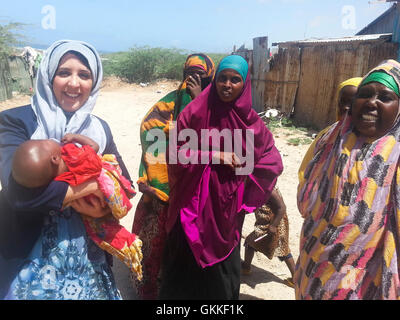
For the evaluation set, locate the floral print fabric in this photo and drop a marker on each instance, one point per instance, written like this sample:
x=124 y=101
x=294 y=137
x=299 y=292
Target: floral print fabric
x=64 y=265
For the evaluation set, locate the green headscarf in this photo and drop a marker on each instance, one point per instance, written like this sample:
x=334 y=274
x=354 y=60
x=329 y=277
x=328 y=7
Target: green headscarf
x=383 y=78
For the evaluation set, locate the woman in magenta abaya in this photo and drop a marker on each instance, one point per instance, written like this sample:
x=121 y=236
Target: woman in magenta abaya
x=222 y=164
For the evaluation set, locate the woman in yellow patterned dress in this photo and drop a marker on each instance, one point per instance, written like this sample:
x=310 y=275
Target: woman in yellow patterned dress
x=349 y=197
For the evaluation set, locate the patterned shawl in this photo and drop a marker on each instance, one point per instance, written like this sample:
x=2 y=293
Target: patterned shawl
x=349 y=196
x=153 y=176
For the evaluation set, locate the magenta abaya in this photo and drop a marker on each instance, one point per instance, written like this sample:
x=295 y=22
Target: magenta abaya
x=210 y=199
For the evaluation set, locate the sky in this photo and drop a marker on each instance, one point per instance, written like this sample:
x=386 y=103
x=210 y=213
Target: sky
x=212 y=26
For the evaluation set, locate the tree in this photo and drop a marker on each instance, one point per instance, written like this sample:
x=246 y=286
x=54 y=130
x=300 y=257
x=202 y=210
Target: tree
x=10 y=36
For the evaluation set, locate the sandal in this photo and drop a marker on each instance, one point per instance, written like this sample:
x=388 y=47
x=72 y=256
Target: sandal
x=289 y=282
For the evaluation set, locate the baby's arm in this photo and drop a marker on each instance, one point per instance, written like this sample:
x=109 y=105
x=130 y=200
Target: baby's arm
x=81 y=139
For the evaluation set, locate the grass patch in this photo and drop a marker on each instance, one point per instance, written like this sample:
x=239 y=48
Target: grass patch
x=289 y=128
x=299 y=141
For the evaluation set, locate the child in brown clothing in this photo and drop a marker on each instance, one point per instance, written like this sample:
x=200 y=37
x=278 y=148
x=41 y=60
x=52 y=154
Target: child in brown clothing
x=270 y=235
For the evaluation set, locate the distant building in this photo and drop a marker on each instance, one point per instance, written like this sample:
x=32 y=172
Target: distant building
x=387 y=22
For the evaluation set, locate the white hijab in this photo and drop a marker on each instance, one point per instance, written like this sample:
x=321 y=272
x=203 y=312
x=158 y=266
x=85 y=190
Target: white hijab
x=52 y=122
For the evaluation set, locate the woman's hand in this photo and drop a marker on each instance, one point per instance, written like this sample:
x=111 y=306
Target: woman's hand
x=229 y=159
x=92 y=206
x=193 y=84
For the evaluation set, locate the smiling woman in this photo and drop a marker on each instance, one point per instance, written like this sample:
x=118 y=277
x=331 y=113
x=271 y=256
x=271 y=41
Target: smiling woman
x=40 y=233
x=349 y=196
x=73 y=81
x=376 y=106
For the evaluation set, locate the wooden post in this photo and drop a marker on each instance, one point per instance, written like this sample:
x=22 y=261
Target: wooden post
x=396 y=30
x=260 y=68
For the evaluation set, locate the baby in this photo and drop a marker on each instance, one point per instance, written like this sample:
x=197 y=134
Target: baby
x=37 y=162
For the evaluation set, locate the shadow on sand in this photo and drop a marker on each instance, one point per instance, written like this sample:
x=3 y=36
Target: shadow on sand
x=258 y=276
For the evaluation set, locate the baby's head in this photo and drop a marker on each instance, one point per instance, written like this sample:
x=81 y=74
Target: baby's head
x=37 y=162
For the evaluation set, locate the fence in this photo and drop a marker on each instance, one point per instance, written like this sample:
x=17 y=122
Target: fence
x=5 y=79
x=302 y=77
x=323 y=68
x=14 y=76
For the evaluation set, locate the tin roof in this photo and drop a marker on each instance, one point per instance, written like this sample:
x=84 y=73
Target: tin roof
x=382 y=17
x=315 y=41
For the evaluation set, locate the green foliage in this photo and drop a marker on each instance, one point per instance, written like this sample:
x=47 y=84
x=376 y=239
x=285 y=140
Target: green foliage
x=9 y=36
x=146 y=64
x=299 y=141
x=289 y=128
x=288 y=124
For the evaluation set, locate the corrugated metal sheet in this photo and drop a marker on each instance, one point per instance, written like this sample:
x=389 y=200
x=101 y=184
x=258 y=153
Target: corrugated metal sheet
x=384 y=37
x=383 y=24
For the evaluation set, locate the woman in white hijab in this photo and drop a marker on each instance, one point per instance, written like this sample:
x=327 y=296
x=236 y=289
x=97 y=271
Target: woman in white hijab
x=45 y=252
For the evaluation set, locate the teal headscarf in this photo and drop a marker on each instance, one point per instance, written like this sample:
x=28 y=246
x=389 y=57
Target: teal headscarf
x=236 y=63
x=383 y=78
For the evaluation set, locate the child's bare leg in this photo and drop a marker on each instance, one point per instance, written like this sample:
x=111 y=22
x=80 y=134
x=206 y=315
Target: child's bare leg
x=291 y=266
x=289 y=262
x=248 y=257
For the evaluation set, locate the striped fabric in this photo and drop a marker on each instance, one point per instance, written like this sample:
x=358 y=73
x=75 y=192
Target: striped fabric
x=153 y=176
x=349 y=195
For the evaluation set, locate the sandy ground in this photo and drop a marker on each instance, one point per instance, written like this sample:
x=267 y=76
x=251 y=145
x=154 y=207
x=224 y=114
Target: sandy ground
x=123 y=106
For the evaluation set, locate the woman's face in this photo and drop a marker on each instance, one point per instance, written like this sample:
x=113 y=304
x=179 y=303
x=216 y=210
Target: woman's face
x=229 y=84
x=375 y=110
x=72 y=83
x=345 y=99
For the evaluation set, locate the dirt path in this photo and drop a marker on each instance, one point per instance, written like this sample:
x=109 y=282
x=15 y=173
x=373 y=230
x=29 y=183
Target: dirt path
x=123 y=106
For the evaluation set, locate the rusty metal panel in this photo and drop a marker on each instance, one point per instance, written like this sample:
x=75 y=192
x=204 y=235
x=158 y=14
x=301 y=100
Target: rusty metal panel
x=384 y=23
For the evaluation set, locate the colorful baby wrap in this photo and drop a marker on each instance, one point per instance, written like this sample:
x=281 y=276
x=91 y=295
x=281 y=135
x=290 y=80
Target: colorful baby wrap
x=106 y=232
